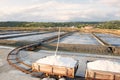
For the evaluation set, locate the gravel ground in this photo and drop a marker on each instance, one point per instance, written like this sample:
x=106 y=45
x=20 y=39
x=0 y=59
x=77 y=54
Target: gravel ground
x=7 y=72
x=16 y=75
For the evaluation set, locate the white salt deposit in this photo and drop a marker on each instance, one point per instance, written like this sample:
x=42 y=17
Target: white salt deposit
x=48 y=79
x=58 y=60
x=104 y=65
x=62 y=79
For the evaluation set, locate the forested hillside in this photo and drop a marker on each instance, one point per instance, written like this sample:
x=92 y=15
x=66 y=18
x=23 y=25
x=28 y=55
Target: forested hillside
x=102 y=25
x=45 y=24
x=109 y=25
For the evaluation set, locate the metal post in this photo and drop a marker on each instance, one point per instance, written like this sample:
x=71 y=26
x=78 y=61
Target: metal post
x=57 y=42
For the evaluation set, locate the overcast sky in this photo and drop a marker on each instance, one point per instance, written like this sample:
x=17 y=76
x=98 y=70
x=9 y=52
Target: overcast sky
x=59 y=10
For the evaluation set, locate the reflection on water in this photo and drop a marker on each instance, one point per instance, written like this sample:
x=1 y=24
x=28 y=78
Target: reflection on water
x=79 y=38
x=111 y=39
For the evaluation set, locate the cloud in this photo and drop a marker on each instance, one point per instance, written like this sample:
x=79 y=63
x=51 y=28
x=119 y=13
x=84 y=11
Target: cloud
x=113 y=3
x=61 y=11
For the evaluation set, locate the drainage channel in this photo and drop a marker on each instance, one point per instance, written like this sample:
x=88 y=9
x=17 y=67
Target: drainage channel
x=20 y=35
x=12 y=32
